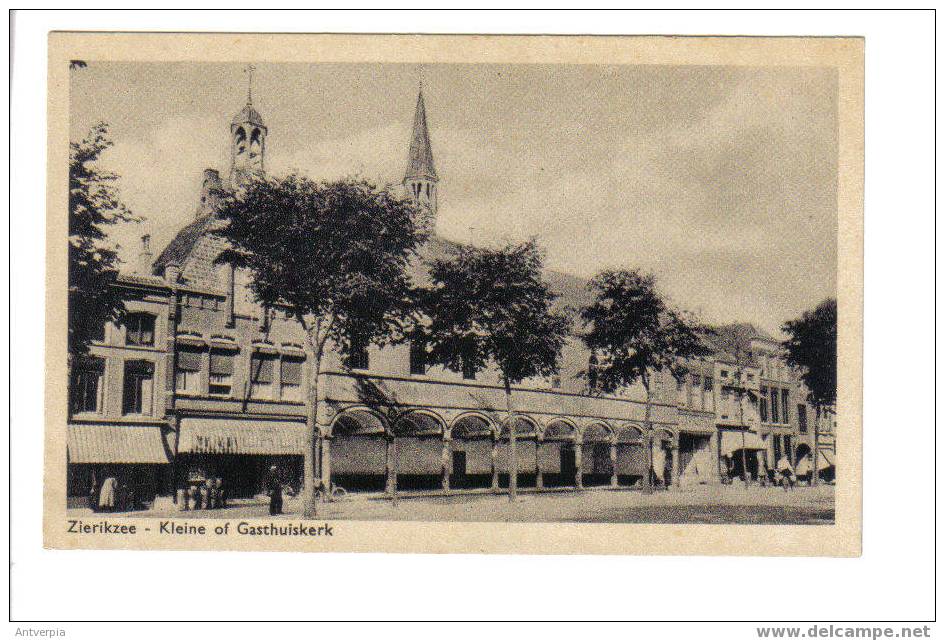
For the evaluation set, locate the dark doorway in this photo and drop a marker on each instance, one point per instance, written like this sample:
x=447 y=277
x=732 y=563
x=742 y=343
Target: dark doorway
x=459 y=464
x=568 y=465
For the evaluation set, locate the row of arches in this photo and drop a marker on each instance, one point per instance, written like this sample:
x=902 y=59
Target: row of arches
x=419 y=450
x=420 y=422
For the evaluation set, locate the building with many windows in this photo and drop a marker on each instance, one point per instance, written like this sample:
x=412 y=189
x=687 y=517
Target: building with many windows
x=200 y=382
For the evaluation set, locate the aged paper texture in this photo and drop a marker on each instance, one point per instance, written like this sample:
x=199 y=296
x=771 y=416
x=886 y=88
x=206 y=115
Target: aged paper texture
x=230 y=366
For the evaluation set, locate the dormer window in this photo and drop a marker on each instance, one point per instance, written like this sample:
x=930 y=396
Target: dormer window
x=139 y=329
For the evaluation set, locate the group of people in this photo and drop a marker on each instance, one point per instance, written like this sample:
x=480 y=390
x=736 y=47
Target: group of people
x=783 y=473
x=111 y=495
x=208 y=495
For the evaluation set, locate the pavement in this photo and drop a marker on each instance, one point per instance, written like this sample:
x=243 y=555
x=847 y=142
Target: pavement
x=733 y=504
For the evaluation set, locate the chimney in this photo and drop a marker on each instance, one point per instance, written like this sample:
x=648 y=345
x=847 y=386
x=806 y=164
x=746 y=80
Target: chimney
x=210 y=192
x=145 y=258
x=172 y=272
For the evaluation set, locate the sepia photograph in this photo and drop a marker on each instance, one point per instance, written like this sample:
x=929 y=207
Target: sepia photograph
x=308 y=292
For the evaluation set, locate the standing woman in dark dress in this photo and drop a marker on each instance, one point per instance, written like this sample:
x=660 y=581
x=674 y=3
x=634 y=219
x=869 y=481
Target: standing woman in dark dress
x=274 y=487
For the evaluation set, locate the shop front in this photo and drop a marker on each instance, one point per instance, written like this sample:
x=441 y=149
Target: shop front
x=131 y=462
x=239 y=452
x=741 y=453
x=697 y=451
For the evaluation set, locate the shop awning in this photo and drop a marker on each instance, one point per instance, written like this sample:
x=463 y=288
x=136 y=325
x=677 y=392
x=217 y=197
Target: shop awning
x=736 y=440
x=697 y=424
x=221 y=436
x=825 y=460
x=100 y=443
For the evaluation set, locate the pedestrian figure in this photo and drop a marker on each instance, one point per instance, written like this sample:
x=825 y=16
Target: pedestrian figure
x=195 y=493
x=211 y=490
x=221 y=495
x=107 y=496
x=787 y=472
x=94 y=493
x=274 y=487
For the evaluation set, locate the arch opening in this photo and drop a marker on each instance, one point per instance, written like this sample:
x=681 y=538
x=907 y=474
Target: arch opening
x=631 y=462
x=471 y=452
x=419 y=443
x=526 y=453
x=596 y=464
x=557 y=455
x=359 y=451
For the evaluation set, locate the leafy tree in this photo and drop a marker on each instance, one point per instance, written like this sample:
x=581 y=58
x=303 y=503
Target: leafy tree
x=811 y=347
x=492 y=306
x=336 y=254
x=94 y=205
x=633 y=332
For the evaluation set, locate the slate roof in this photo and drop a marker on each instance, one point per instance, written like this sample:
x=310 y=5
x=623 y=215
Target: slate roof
x=250 y=115
x=180 y=247
x=735 y=339
x=572 y=291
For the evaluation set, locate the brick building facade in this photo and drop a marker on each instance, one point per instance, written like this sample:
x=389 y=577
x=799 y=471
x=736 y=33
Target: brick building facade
x=200 y=383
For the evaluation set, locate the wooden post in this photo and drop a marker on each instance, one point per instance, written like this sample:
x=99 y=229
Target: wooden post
x=495 y=464
x=326 y=466
x=674 y=475
x=392 y=469
x=539 y=482
x=445 y=461
x=815 y=458
x=578 y=463
x=613 y=464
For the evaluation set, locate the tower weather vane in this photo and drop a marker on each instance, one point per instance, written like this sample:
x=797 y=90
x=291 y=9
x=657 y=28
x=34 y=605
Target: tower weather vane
x=249 y=69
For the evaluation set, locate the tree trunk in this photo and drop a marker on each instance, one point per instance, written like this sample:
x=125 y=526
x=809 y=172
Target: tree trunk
x=513 y=447
x=648 y=486
x=741 y=422
x=313 y=439
x=815 y=473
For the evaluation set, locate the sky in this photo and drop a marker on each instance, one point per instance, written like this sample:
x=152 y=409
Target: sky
x=720 y=180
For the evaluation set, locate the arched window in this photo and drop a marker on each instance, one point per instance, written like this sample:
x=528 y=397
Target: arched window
x=240 y=140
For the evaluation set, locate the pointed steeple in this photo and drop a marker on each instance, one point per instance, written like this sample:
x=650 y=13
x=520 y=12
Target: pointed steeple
x=420 y=159
x=420 y=180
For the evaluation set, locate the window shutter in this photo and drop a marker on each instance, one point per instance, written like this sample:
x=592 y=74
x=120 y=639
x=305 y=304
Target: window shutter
x=142 y=368
x=221 y=363
x=188 y=360
x=262 y=370
x=291 y=371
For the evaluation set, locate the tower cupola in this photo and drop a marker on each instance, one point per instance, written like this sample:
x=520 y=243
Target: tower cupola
x=247 y=139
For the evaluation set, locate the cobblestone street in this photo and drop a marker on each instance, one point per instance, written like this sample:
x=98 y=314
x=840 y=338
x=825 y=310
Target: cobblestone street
x=700 y=504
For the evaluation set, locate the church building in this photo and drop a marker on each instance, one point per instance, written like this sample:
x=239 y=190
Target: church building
x=199 y=383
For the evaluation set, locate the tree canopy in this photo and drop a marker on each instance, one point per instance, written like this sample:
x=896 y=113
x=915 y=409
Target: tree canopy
x=811 y=347
x=94 y=205
x=335 y=251
x=492 y=305
x=633 y=331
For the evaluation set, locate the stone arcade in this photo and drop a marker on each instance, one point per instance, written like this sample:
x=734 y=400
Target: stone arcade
x=200 y=384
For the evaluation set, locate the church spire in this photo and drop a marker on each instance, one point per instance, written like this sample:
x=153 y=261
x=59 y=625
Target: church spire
x=420 y=158
x=420 y=179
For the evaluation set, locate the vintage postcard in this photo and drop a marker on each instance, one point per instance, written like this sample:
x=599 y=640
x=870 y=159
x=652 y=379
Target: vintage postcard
x=467 y=294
